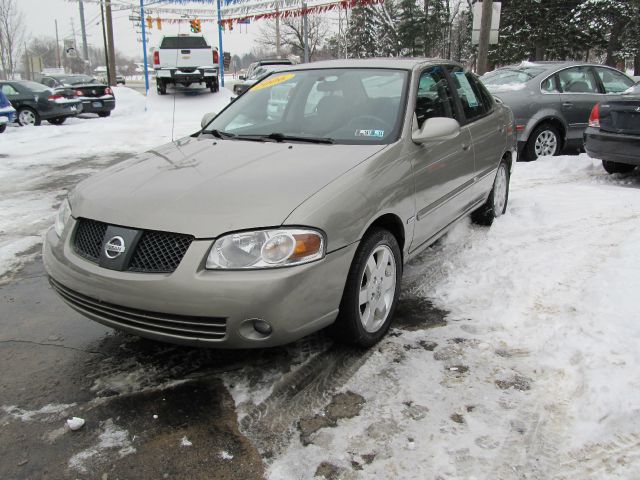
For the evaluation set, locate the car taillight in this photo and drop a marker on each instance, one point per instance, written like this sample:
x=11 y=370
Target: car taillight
x=594 y=118
x=108 y=91
x=54 y=97
x=78 y=93
x=216 y=57
x=156 y=58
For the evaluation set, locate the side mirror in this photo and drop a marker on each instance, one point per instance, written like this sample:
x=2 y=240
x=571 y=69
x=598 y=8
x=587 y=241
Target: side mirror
x=436 y=129
x=242 y=77
x=207 y=118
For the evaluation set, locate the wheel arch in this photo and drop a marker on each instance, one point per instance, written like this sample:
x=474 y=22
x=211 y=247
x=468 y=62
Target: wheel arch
x=392 y=223
x=553 y=120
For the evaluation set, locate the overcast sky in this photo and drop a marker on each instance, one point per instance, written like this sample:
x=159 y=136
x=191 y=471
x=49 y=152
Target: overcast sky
x=40 y=16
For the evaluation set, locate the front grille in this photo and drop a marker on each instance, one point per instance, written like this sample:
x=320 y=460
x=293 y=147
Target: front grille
x=186 y=326
x=159 y=252
x=156 y=252
x=89 y=238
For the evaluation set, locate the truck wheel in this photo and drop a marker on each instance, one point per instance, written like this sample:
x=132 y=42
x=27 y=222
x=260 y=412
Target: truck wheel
x=213 y=86
x=162 y=87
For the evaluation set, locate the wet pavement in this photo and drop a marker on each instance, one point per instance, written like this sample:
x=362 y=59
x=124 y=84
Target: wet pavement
x=153 y=410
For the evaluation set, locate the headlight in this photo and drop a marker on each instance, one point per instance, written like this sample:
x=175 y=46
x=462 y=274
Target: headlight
x=64 y=212
x=266 y=249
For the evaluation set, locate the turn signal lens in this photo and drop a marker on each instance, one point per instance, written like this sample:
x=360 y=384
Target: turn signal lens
x=594 y=118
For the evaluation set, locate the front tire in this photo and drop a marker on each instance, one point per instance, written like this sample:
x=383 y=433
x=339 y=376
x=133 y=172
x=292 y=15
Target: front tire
x=3 y=127
x=545 y=140
x=371 y=291
x=57 y=120
x=496 y=204
x=616 y=167
x=28 y=116
x=104 y=114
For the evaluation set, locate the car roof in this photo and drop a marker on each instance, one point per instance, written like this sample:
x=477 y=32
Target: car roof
x=388 y=63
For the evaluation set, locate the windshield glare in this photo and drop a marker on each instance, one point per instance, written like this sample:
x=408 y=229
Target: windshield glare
x=355 y=106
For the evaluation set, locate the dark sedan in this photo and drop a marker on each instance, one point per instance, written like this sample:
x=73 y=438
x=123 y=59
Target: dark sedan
x=96 y=97
x=35 y=102
x=613 y=135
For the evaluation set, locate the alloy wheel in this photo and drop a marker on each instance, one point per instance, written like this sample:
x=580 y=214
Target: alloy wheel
x=500 y=191
x=377 y=288
x=27 y=117
x=546 y=144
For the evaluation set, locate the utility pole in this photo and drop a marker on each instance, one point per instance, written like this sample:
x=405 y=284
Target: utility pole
x=485 y=33
x=28 y=62
x=220 y=51
x=57 y=44
x=277 y=30
x=144 y=48
x=112 y=53
x=104 y=37
x=305 y=29
x=85 y=49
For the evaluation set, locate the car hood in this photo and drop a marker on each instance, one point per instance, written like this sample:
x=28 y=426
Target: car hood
x=206 y=187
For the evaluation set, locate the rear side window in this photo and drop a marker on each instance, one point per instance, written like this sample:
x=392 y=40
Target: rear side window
x=183 y=43
x=578 y=80
x=549 y=85
x=9 y=90
x=614 y=82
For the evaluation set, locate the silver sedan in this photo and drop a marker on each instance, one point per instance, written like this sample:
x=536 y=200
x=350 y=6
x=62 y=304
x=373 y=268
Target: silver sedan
x=270 y=224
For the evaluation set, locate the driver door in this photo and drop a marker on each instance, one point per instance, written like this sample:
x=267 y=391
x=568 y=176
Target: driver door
x=443 y=170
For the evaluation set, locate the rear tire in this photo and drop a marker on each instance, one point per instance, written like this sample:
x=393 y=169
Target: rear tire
x=57 y=120
x=161 y=87
x=3 y=127
x=215 y=86
x=545 y=140
x=371 y=292
x=616 y=167
x=104 y=114
x=496 y=203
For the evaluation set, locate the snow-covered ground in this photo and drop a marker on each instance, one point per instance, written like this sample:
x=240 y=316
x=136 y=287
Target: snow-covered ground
x=38 y=164
x=536 y=374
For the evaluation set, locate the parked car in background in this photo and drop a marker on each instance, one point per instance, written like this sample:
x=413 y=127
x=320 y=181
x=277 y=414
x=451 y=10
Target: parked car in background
x=304 y=220
x=120 y=80
x=267 y=62
x=258 y=73
x=184 y=60
x=96 y=97
x=7 y=112
x=613 y=135
x=35 y=102
x=551 y=101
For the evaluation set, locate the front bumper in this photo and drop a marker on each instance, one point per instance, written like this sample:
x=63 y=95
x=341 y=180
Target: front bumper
x=613 y=147
x=176 y=307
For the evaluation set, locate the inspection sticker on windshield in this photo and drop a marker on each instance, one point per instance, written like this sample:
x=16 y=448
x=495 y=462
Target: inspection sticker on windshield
x=270 y=82
x=370 y=133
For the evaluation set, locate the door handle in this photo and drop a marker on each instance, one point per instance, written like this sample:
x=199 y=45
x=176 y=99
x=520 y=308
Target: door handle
x=567 y=104
x=465 y=147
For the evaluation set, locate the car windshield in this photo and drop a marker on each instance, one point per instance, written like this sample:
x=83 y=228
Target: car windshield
x=511 y=76
x=75 y=79
x=349 y=106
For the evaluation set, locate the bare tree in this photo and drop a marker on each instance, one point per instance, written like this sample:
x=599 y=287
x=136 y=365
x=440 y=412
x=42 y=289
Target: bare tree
x=11 y=35
x=292 y=34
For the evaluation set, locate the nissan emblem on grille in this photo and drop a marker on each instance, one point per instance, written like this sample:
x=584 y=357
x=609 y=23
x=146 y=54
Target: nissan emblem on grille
x=114 y=247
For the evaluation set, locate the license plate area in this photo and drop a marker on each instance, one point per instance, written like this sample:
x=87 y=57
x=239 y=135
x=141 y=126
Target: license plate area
x=97 y=104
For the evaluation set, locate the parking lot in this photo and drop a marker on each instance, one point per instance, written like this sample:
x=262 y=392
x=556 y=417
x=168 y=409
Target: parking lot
x=513 y=353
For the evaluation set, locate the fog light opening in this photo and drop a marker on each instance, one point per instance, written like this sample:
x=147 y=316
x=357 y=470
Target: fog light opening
x=262 y=327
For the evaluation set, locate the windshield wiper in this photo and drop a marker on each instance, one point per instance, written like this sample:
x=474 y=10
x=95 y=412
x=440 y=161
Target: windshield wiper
x=219 y=133
x=281 y=137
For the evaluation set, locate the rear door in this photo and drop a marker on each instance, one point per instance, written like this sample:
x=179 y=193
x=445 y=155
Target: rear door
x=443 y=171
x=580 y=91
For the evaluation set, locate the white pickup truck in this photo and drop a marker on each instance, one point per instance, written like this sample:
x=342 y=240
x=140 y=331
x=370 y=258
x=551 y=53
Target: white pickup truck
x=185 y=59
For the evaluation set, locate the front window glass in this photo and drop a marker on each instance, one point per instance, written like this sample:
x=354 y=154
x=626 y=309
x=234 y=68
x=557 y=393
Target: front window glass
x=577 y=80
x=614 y=82
x=313 y=104
x=434 y=96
